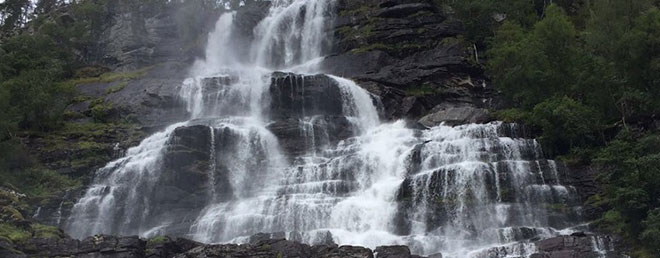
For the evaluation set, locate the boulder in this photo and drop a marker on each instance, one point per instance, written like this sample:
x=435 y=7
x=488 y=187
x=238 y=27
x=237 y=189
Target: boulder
x=579 y=245
x=398 y=251
x=455 y=114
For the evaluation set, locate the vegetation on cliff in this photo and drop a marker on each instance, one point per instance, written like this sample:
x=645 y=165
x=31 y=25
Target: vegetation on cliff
x=585 y=74
x=48 y=50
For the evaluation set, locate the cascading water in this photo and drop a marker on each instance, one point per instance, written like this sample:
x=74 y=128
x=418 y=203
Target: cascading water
x=228 y=172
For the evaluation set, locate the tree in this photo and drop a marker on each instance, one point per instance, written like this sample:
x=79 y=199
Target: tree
x=565 y=123
x=651 y=234
x=641 y=61
x=13 y=14
x=530 y=67
x=480 y=16
x=46 y=6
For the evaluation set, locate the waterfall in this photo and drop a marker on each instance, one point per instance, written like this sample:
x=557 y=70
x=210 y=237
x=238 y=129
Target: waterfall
x=235 y=168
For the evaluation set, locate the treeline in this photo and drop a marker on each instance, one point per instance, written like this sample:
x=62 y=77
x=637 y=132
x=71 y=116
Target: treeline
x=586 y=75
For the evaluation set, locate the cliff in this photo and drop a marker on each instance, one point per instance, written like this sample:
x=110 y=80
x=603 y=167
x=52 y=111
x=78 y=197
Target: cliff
x=412 y=54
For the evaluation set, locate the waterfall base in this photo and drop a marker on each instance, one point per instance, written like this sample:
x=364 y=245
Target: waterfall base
x=274 y=245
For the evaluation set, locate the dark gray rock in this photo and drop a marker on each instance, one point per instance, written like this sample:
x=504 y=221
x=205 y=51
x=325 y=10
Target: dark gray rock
x=450 y=114
x=400 y=11
x=297 y=136
x=583 y=245
x=410 y=54
x=96 y=246
x=398 y=251
x=345 y=252
x=298 y=96
x=139 y=34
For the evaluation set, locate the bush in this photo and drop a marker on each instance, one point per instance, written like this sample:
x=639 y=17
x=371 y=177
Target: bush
x=565 y=123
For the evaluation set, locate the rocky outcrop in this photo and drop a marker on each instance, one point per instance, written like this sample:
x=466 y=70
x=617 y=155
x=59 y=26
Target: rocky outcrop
x=308 y=112
x=127 y=86
x=454 y=114
x=410 y=53
x=585 y=181
x=271 y=246
x=138 y=34
x=579 y=245
x=149 y=48
x=298 y=96
x=297 y=136
x=111 y=246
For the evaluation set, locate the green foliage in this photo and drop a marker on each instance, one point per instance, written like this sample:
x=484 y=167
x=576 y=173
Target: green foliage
x=13 y=233
x=532 y=66
x=579 y=79
x=108 y=77
x=117 y=88
x=421 y=90
x=479 y=16
x=631 y=173
x=102 y=112
x=43 y=231
x=512 y=115
x=38 y=183
x=651 y=233
x=158 y=240
x=13 y=15
x=565 y=123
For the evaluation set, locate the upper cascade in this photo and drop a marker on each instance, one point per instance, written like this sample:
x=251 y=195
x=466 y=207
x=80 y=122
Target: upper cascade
x=273 y=146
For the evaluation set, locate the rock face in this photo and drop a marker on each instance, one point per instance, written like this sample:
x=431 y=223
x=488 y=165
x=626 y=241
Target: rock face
x=578 y=245
x=111 y=246
x=297 y=96
x=145 y=52
x=407 y=52
x=454 y=115
x=151 y=43
x=307 y=106
x=139 y=34
x=269 y=246
x=410 y=53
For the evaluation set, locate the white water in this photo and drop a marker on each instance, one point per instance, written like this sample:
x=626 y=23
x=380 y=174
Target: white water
x=456 y=190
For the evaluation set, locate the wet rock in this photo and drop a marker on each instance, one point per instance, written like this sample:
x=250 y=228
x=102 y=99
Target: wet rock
x=183 y=184
x=455 y=114
x=345 y=252
x=298 y=96
x=580 y=245
x=410 y=54
x=297 y=136
x=392 y=252
x=259 y=237
x=96 y=246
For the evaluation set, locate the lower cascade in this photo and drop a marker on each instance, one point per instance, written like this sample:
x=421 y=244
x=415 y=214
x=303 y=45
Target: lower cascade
x=305 y=154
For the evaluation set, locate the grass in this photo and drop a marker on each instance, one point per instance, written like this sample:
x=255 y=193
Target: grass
x=13 y=233
x=44 y=231
x=422 y=90
x=377 y=46
x=40 y=182
x=392 y=49
x=512 y=115
x=158 y=240
x=117 y=88
x=112 y=77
